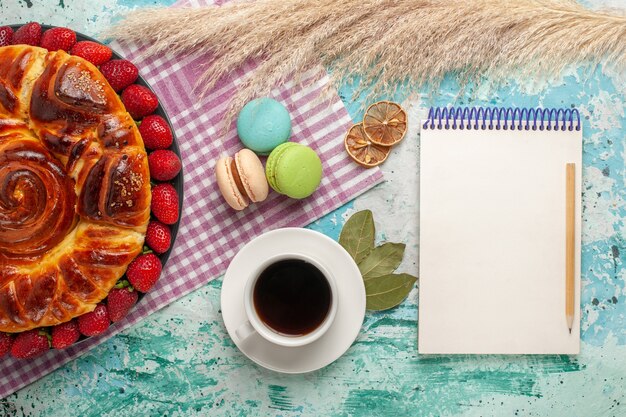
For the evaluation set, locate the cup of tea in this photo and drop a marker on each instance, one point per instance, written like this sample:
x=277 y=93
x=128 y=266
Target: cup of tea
x=290 y=300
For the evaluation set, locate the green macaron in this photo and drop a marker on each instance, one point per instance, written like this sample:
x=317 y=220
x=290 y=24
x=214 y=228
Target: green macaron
x=294 y=170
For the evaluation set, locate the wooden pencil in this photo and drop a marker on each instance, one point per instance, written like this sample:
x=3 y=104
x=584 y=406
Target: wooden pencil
x=570 y=227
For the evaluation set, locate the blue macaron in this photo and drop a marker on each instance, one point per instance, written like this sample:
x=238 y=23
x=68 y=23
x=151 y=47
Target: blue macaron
x=263 y=124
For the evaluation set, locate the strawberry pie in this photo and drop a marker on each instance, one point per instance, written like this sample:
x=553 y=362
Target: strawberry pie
x=74 y=186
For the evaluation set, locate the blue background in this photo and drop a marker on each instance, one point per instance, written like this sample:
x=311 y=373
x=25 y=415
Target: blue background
x=180 y=361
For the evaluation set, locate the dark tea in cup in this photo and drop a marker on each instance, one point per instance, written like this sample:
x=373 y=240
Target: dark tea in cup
x=292 y=297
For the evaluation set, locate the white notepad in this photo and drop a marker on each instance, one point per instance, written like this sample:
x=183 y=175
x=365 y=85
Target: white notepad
x=492 y=231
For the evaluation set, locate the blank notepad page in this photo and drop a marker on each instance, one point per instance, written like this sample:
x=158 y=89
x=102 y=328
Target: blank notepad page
x=492 y=234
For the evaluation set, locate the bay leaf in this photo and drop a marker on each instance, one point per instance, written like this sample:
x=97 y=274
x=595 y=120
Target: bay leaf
x=382 y=260
x=357 y=235
x=388 y=291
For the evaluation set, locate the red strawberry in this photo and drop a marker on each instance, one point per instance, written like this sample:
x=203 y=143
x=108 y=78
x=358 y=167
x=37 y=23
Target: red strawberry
x=6 y=35
x=165 y=203
x=120 y=73
x=95 y=322
x=29 y=34
x=139 y=101
x=5 y=343
x=164 y=165
x=158 y=237
x=155 y=132
x=58 y=38
x=65 y=334
x=120 y=301
x=93 y=52
x=144 y=271
x=30 y=344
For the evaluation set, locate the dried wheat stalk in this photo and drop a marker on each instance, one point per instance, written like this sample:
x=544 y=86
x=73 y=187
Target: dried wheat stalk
x=386 y=42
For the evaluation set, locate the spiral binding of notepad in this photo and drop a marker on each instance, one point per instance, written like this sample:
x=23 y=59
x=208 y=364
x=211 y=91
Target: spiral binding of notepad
x=505 y=118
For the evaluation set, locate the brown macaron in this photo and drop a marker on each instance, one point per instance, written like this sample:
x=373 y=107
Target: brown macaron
x=241 y=179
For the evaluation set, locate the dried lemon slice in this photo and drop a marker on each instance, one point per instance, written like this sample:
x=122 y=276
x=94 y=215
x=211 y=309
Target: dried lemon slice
x=385 y=123
x=362 y=150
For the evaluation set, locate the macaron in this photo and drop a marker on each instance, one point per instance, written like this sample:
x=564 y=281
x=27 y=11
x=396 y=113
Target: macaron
x=263 y=124
x=241 y=179
x=294 y=170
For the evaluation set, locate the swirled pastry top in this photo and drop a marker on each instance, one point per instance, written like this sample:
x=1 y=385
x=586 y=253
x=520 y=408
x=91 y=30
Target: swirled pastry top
x=74 y=188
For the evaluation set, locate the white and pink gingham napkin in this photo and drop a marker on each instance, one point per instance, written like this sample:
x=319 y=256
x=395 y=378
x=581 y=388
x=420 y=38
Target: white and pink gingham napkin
x=210 y=231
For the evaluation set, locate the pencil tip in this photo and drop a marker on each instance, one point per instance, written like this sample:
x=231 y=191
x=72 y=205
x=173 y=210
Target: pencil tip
x=570 y=330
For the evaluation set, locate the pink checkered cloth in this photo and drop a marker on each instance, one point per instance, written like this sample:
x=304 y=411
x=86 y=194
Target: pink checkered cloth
x=211 y=232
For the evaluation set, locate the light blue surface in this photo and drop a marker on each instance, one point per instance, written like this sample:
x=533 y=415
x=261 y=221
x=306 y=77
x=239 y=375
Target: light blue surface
x=180 y=361
x=263 y=124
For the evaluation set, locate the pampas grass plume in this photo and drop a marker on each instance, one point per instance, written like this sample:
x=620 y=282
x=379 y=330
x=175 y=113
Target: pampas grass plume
x=386 y=42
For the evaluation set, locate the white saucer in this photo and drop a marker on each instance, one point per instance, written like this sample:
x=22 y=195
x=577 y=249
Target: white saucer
x=351 y=300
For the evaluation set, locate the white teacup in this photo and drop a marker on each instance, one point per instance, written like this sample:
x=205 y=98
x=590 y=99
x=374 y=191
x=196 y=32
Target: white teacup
x=254 y=324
